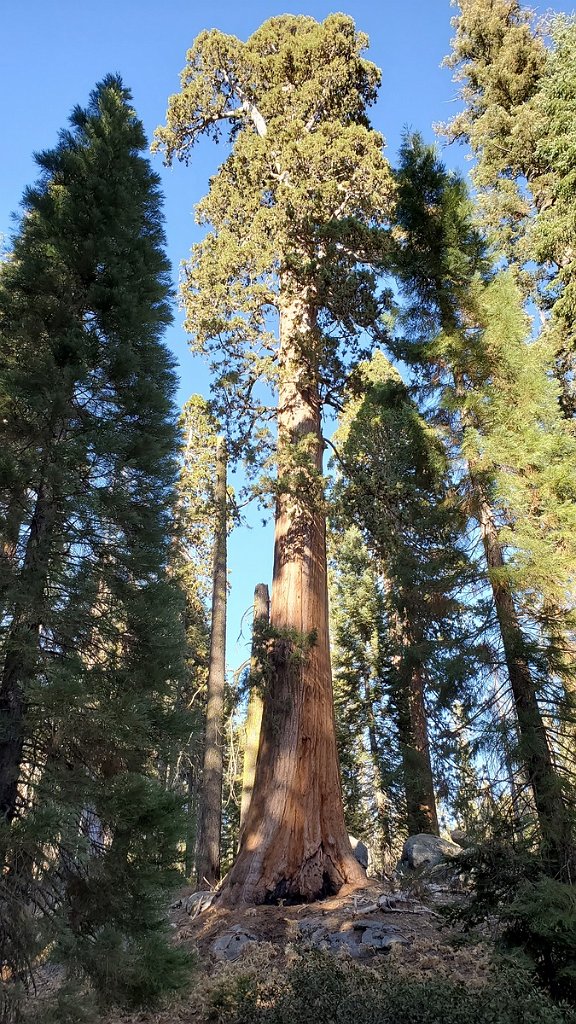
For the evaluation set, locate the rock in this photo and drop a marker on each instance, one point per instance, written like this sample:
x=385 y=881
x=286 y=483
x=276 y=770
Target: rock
x=459 y=836
x=308 y=925
x=199 y=901
x=441 y=872
x=382 y=937
x=403 y=904
x=360 y=851
x=426 y=850
x=229 y=945
x=344 y=942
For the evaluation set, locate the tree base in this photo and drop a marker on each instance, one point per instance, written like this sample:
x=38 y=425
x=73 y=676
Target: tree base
x=256 y=879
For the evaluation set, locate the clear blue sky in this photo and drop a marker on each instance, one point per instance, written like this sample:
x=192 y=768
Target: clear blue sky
x=54 y=51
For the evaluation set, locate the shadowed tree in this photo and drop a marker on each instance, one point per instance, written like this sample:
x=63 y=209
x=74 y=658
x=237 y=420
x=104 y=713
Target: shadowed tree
x=393 y=484
x=467 y=334
x=255 y=703
x=278 y=291
x=210 y=812
x=91 y=644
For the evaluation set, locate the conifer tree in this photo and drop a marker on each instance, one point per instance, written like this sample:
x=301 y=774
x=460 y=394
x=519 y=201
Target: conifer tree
x=255 y=704
x=191 y=564
x=210 y=815
x=519 y=93
x=499 y=60
x=394 y=486
x=467 y=335
x=368 y=752
x=295 y=213
x=92 y=645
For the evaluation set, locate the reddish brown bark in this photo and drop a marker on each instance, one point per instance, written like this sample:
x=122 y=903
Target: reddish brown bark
x=255 y=703
x=295 y=844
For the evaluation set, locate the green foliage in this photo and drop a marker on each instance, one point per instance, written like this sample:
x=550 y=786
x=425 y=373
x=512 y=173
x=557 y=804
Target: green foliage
x=394 y=487
x=92 y=630
x=537 y=913
x=296 y=209
x=332 y=992
x=519 y=87
x=499 y=61
x=136 y=971
x=369 y=765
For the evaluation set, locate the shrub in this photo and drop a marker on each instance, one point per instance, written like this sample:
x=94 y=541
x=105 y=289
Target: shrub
x=324 y=990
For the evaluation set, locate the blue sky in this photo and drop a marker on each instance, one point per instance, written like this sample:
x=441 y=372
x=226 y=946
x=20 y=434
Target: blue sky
x=54 y=51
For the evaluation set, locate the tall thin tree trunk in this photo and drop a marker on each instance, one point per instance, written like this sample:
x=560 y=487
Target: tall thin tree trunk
x=381 y=797
x=255 y=703
x=9 y=543
x=415 y=752
x=534 y=749
x=295 y=843
x=210 y=811
x=191 y=823
x=22 y=648
x=412 y=724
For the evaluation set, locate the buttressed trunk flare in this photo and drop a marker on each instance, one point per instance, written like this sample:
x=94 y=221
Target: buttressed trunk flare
x=295 y=843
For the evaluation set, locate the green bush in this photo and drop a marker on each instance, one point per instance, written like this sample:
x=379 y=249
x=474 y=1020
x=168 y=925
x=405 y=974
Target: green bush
x=536 y=914
x=323 y=990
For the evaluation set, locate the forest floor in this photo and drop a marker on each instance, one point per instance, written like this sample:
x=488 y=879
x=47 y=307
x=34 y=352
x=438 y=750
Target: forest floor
x=407 y=930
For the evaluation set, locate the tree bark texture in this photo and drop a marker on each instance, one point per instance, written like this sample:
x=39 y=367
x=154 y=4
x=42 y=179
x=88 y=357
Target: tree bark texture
x=295 y=844
x=255 y=703
x=210 y=810
x=9 y=544
x=413 y=736
x=22 y=648
x=534 y=748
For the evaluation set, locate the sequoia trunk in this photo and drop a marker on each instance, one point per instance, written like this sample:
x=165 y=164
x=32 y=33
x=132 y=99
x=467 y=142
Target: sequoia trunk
x=295 y=844
x=210 y=814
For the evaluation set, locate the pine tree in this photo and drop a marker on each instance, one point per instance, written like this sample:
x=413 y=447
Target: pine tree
x=253 y=721
x=368 y=753
x=467 y=333
x=294 y=211
x=92 y=645
x=191 y=565
x=499 y=60
x=519 y=93
x=552 y=238
x=394 y=485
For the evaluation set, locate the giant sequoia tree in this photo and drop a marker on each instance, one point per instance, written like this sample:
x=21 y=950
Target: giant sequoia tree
x=295 y=215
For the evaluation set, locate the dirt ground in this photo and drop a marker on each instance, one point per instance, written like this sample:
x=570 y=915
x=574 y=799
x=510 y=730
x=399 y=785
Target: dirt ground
x=282 y=932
